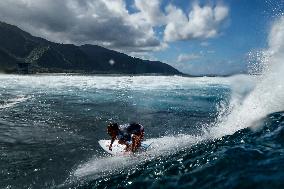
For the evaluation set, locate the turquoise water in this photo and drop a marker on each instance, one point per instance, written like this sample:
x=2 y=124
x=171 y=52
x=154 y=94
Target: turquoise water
x=202 y=136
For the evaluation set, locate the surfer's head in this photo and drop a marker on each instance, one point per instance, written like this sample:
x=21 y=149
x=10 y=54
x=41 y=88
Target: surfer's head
x=112 y=129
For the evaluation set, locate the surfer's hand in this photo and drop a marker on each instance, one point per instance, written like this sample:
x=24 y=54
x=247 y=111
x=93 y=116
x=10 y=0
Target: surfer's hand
x=110 y=148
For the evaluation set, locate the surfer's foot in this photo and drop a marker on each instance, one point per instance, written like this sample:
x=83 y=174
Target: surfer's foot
x=127 y=148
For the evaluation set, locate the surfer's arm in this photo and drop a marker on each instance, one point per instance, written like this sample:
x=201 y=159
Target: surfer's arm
x=111 y=142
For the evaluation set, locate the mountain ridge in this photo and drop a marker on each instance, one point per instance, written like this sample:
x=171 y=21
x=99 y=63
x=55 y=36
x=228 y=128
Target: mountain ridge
x=19 y=47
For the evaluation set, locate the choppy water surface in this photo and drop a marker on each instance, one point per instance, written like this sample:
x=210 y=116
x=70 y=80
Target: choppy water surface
x=50 y=127
x=206 y=132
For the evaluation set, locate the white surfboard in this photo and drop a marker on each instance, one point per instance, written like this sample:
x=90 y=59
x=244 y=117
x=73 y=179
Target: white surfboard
x=119 y=150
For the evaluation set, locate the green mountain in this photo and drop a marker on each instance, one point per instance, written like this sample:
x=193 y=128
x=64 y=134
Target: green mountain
x=19 y=47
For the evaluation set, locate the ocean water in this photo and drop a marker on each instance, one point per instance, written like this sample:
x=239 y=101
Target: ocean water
x=206 y=132
x=51 y=125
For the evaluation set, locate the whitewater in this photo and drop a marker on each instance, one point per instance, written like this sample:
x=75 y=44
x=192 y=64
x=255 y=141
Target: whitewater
x=251 y=100
x=207 y=131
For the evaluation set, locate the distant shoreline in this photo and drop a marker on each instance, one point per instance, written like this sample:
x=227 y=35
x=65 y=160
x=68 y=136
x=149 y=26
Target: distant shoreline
x=119 y=74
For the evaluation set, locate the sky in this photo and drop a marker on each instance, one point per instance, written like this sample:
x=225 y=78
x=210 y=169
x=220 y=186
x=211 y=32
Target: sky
x=195 y=36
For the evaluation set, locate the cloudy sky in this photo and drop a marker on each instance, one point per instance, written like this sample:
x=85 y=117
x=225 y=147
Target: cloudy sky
x=195 y=36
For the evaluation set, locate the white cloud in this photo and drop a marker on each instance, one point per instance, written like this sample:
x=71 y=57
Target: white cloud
x=210 y=67
x=187 y=57
x=103 y=22
x=201 y=22
x=211 y=51
x=204 y=44
x=149 y=10
x=109 y=23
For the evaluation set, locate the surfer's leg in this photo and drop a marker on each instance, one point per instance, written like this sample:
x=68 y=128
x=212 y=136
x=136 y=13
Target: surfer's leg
x=140 y=137
x=134 y=145
x=127 y=148
x=136 y=141
x=124 y=142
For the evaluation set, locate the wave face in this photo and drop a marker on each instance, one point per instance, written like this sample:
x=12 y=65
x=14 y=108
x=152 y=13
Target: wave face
x=206 y=132
x=268 y=94
x=243 y=160
x=240 y=148
x=51 y=138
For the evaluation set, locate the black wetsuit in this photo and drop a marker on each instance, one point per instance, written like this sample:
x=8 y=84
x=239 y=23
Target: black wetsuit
x=126 y=130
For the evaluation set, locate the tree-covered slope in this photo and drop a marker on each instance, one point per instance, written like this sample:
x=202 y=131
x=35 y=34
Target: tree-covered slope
x=18 y=46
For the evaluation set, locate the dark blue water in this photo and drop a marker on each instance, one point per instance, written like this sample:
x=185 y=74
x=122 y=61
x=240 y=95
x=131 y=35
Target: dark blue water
x=203 y=137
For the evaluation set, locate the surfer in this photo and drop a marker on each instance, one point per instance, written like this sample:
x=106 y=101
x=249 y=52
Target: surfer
x=130 y=135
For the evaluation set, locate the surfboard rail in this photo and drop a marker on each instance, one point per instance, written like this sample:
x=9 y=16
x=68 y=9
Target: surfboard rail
x=119 y=150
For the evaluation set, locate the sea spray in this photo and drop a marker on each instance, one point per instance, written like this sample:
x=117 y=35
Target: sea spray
x=268 y=95
x=161 y=147
x=251 y=100
x=248 y=104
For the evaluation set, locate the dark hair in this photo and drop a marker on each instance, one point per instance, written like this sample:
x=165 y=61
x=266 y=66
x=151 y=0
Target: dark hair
x=112 y=126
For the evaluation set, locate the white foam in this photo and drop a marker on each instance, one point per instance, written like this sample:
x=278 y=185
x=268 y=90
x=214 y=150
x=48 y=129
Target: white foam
x=13 y=101
x=268 y=94
x=160 y=147
x=65 y=82
x=252 y=99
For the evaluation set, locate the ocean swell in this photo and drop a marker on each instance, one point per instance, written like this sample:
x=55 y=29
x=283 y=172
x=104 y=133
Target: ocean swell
x=249 y=103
